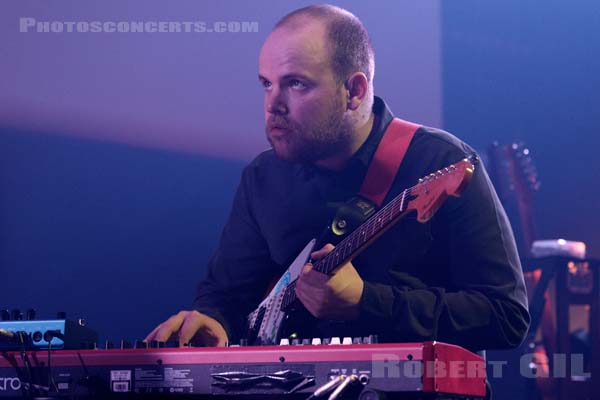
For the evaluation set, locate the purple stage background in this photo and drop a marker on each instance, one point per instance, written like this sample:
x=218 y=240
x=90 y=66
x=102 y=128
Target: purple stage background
x=187 y=91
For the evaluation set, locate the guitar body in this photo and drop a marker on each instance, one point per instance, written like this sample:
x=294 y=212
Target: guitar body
x=295 y=319
x=266 y=323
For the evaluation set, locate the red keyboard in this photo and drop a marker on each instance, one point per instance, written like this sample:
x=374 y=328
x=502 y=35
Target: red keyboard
x=365 y=371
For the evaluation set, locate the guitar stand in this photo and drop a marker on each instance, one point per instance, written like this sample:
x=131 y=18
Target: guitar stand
x=577 y=283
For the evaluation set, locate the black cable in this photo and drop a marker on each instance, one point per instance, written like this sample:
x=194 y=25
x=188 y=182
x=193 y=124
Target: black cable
x=51 y=380
x=27 y=386
x=87 y=379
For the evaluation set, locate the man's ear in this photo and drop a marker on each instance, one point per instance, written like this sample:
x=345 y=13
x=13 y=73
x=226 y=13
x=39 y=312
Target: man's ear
x=357 y=87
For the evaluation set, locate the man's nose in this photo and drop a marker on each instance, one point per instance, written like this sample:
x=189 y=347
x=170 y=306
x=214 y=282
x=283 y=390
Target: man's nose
x=276 y=104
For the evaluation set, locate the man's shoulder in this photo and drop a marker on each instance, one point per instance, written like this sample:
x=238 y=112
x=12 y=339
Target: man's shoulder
x=436 y=140
x=432 y=149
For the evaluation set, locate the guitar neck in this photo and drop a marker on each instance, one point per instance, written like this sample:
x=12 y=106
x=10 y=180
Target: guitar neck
x=357 y=241
x=425 y=198
x=366 y=233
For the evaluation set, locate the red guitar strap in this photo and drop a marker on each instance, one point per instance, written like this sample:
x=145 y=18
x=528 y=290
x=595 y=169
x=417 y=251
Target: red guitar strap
x=387 y=159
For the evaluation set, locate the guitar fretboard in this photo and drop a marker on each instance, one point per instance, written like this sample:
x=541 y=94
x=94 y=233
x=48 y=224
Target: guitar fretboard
x=449 y=181
x=353 y=243
x=356 y=241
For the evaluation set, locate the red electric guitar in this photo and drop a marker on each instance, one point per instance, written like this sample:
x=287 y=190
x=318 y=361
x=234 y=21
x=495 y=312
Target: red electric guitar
x=425 y=198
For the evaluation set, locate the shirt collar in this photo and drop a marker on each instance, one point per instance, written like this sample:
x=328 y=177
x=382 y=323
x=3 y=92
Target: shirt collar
x=383 y=117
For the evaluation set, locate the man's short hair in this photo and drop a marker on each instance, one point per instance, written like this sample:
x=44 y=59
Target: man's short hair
x=349 y=42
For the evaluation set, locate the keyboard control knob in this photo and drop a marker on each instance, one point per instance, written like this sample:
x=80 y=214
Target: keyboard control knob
x=16 y=315
x=31 y=314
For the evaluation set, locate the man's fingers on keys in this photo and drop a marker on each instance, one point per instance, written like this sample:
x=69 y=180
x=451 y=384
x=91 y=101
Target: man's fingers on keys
x=192 y=322
x=152 y=334
x=222 y=342
x=163 y=332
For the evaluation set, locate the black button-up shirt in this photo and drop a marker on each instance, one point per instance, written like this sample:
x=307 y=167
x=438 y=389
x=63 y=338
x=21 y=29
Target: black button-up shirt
x=456 y=278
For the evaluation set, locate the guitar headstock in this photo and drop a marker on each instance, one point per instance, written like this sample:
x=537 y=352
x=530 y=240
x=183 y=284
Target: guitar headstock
x=525 y=173
x=429 y=194
x=513 y=172
x=516 y=180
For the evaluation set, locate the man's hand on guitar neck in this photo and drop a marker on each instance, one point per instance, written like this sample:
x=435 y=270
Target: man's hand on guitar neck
x=190 y=326
x=335 y=296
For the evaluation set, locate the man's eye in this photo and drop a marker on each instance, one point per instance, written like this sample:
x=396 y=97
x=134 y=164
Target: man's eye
x=295 y=83
x=266 y=84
